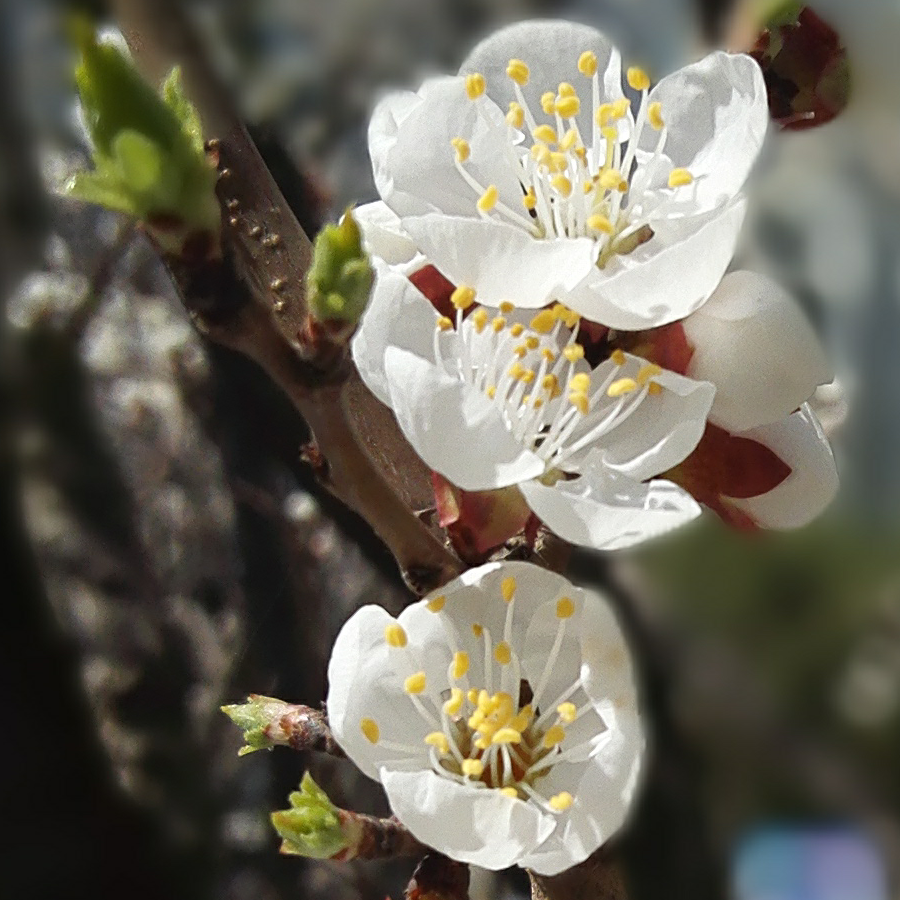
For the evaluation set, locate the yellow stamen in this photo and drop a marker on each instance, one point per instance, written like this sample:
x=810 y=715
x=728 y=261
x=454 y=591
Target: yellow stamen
x=477 y=630
x=587 y=63
x=369 y=728
x=567 y=712
x=472 y=695
x=580 y=402
x=498 y=324
x=621 y=107
x=555 y=735
x=502 y=653
x=480 y=319
x=454 y=704
x=516 y=370
x=551 y=383
x=610 y=179
x=568 y=140
x=574 y=352
x=559 y=162
x=506 y=307
x=532 y=343
x=654 y=115
x=472 y=768
x=516 y=115
x=488 y=200
x=510 y=792
x=463 y=297
x=508 y=588
x=565 y=608
x=604 y=114
x=523 y=719
x=638 y=79
x=548 y=354
x=543 y=322
x=462 y=148
x=561 y=801
x=460 y=664
x=416 y=683
x=507 y=736
x=527 y=376
x=562 y=184
x=566 y=90
x=618 y=357
x=491 y=391
x=580 y=382
x=568 y=107
x=475 y=85
x=600 y=223
x=437 y=604
x=394 y=635
x=654 y=389
x=680 y=178
x=520 y=351
x=651 y=370
x=518 y=71
x=517 y=329
x=541 y=154
x=621 y=387
x=529 y=200
x=444 y=324
x=438 y=740
x=548 y=102
x=545 y=134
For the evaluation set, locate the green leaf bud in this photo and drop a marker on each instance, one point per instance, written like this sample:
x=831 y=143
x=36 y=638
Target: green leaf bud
x=312 y=826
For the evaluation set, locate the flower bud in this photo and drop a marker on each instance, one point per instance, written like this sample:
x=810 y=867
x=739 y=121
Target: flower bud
x=312 y=826
x=255 y=718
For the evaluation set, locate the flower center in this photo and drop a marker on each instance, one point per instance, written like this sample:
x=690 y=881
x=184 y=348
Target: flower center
x=499 y=735
x=578 y=185
x=537 y=377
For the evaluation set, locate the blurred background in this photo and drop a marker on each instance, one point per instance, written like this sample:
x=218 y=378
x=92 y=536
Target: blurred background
x=167 y=551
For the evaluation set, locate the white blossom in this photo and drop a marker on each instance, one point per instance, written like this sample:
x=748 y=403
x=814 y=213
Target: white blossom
x=500 y=715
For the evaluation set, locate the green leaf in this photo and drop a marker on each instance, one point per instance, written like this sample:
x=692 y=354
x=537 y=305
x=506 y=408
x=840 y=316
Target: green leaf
x=312 y=826
x=174 y=97
x=91 y=188
x=139 y=159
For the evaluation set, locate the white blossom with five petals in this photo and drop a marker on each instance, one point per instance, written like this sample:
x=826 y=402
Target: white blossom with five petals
x=505 y=397
x=500 y=715
x=510 y=182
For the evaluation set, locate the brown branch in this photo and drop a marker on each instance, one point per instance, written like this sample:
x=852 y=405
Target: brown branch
x=439 y=878
x=252 y=298
x=377 y=838
x=597 y=878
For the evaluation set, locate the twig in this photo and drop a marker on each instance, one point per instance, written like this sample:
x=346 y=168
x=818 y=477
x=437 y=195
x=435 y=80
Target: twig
x=439 y=878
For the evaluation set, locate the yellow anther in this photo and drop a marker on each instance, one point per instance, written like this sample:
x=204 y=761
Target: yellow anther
x=568 y=107
x=548 y=102
x=463 y=297
x=516 y=370
x=510 y=792
x=439 y=741
x=622 y=186
x=520 y=351
x=581 y=153
x=565 y=608
x=477 y=630
x=580 y=382
x=462 y=148
x=523 y=719
x=488 y=200
x=507 y=736
x=654 y=389
x=508 y=588
x=637 y=78
x=610 y=133
x=548 y=354
x=604 y=114
x=538 y=403
x=395 y=635
x=618 y=357
x=472 y=768
x=597 y=222
x=544 y=322
x=620 y=107
x=369 y=728
x=587 y=63
x=491 y=391
x=416 y=683
x=460 y=664
x=545 y=133
x=498 y=324
x=568 y=712
x=527 y=376
x=529 y=200
x=559 y=162
x=587 y=186
x=444 y=324
x=555 y=735
x=437 y=604
x=517 y=329
x=562 y=184
x=566 y=90
x=502 y=653
x=568 y=140
x=506 y=307
x=645 y=373
x=480 y=319
x=532 y=343
x=561 y=801
x=518 y=71
x=475 y=85
x=454 y=704
x=551 y=383
x=621 y=387
x=680 y=178
x=610 y=179
x=580 y=402
x=472 y=695
x=541 y=154
x=516 y=115
x=654 y=115
x=573 y=352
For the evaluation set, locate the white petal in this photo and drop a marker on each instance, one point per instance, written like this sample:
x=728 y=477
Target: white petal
x=753 y=342
x=413 y=160
x=383 y=235
x=608 y=511
x=455 y=428
x=716 y=115
x=472 y=825
x=551 y=50
x=811 y=486
x=398 y=315
x=665 y=279
x=362 y=684
x=500 y=261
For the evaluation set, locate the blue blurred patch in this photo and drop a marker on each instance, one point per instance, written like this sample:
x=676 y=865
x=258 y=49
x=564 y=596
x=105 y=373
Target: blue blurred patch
x=808 y=863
